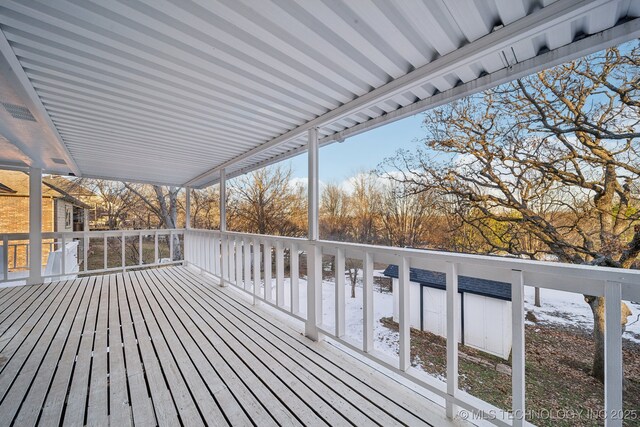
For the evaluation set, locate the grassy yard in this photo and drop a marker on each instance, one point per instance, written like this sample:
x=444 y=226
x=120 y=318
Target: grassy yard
x=558 y=360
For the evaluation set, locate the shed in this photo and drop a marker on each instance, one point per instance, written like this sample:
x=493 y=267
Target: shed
x=484 y=307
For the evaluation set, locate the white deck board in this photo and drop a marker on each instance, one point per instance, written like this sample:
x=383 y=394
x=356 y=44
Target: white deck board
x=166 y=346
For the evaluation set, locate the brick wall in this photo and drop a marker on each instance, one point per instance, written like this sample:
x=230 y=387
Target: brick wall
x=14 y=218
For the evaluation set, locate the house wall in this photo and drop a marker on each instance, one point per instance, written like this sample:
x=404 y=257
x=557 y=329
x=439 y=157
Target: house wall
x=14 y=218
x=487 y=321
x=60 y=215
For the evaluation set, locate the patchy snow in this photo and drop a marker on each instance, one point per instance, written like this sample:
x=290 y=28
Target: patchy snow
x=570 y=309
x=385 y=339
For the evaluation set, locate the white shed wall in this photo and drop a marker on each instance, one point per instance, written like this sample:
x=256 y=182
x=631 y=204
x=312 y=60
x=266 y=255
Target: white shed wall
x=487 y=321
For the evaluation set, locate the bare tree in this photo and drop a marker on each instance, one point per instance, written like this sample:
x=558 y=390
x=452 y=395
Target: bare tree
x=266 y=201
x=205 y=208
x=163 y=202
x=405 y=214
x=552 y=157
x=115 y=200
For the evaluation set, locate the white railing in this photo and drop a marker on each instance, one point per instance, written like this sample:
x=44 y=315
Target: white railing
x=131 y=244
x=236 y=259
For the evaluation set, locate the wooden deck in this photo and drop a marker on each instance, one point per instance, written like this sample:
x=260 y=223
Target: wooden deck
x=168 y=347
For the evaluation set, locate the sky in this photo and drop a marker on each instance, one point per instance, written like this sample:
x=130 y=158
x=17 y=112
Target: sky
x=363 y=152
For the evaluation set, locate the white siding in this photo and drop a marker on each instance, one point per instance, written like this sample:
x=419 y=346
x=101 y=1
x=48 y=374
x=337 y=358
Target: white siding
x=487 y=324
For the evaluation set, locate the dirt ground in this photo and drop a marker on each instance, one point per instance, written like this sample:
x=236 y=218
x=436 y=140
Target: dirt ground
x=558 y=361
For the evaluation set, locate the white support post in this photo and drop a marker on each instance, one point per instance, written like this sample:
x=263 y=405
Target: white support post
x=187 y=208
x=313 y=184
x=518 y=348
x=294 y=273
x=453 y=320
x=85 y=239
x=404 y=316
x=314 y=253
x=340 y=303
x=279 y=274
x=314 y=291
x=35 y=226
x=367 y=302
x=613 y=373
x=223 y=201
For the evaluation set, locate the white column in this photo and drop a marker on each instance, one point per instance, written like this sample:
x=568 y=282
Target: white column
x=314 y=253
x=404 y=316
x=224 y=248
x=518 y=348
x=313 y=184
x=613 y=374
x=187 y=209
x=223 y=201
x=453 y=319
x=35 y=226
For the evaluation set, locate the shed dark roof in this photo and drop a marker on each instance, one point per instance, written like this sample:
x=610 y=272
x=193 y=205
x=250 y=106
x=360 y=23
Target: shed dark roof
x=473 y=285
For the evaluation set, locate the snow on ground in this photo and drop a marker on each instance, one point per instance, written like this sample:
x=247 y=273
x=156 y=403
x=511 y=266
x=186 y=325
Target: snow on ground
x=570 y=309
x=385 y=340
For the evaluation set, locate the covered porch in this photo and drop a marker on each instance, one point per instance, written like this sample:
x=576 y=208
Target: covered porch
x=193 y=94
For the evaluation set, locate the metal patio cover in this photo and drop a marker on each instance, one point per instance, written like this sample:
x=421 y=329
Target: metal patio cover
x=169 y=92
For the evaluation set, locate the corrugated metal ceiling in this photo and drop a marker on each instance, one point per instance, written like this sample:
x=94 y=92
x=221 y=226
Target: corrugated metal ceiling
x=164 y=91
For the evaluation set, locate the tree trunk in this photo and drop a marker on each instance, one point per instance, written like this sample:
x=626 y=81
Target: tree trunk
x=537 y=298
x=597 y=308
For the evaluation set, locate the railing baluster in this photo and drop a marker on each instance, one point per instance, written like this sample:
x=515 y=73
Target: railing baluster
x=122 y=249
x=453 y=320
x=517 y=348
x=294 y=279
x=238 y=243
x=404 y=317
x=246 y=246
x=85 y=250
x=613 y=373
x=171 y=246
x=256 y=269
x=63 y=260
x=5 y=257
x=155 y=247
x=314 y=290
x=340 y=306
x=367 y=302
x=224 y=261
x=218 y=255
x=15 y=255
x=232 y=255
x=279 y=274
x=104 y=250
x=140 y=248
x=268 y=280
